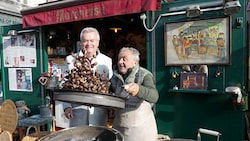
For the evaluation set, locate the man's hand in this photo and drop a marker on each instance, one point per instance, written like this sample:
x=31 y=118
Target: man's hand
x=132 y=89
x=68 y=113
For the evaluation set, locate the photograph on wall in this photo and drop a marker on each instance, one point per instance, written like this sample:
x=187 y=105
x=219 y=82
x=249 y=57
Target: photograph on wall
x=197 y=42
x=21 y=79
x=19 y=51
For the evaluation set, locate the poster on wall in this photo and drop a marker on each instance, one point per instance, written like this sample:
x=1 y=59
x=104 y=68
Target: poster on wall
x=21 y=79
x=19 y=51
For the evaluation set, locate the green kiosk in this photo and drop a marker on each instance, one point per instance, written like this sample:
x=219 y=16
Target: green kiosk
x=197 y=50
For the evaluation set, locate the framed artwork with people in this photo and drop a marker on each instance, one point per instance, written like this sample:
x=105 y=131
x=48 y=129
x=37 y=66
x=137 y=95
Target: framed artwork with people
x=204 y=41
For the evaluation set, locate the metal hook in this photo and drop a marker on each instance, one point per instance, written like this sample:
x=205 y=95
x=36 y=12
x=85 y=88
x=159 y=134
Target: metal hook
x=218 y=72
x=175 y=73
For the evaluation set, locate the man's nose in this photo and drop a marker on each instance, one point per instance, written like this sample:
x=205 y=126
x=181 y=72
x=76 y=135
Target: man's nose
x=87 y=42
x=120 y=61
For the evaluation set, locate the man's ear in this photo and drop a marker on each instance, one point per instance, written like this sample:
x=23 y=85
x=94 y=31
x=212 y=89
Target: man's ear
x=136 y=62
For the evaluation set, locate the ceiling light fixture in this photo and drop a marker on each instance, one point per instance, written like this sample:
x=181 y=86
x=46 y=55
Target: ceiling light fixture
x=12 y=33
x=193 y=11
x=115 y=29
x=52 y=34
x=232 y=7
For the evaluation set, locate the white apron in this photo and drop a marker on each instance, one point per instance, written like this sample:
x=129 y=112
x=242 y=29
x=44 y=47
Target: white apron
x=136 y=122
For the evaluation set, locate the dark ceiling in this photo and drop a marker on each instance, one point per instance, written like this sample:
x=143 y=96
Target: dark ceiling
x=128 y=23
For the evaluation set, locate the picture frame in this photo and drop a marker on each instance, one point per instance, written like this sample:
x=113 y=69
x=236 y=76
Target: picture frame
x=205 y=42
x=193 y=81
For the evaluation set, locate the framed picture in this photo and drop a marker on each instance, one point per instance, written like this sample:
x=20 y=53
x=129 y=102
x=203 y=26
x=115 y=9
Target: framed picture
x=198 y=42
x=193 y=80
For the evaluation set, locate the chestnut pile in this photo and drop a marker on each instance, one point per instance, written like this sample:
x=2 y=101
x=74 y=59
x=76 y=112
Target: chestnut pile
x=84 y=78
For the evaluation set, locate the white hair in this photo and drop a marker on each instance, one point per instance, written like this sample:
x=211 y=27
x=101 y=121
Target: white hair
x=134 y=51
x=90 y=29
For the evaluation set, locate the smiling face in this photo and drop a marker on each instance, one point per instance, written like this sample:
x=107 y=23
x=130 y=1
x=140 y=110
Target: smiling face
x=90 y=43
x=126 y=60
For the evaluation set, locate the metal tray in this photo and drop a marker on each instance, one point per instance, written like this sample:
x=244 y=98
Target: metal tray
x=85 y=133
x=90 y=99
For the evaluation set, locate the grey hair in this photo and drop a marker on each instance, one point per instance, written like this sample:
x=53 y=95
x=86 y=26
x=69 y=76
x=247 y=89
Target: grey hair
x=90 y=29
x=134 y=51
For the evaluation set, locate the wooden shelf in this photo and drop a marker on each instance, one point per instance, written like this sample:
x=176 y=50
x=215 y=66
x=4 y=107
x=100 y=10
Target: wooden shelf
x=195 y=91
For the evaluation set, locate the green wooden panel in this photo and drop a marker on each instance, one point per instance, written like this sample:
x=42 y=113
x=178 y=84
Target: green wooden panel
x=179 y=115
x=32 y=99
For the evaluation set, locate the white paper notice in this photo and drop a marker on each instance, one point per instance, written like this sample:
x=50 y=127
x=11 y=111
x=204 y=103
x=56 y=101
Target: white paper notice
x=20 y=79
x=19 y=51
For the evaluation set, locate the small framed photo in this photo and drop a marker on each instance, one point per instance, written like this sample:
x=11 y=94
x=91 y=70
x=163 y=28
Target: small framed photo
x=193 y=80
